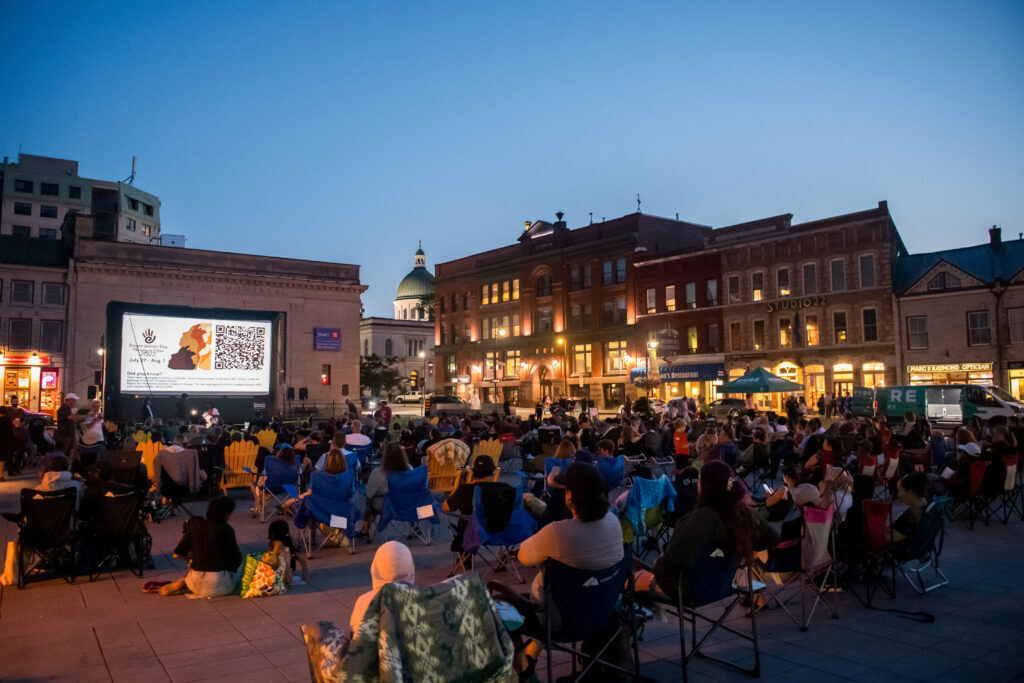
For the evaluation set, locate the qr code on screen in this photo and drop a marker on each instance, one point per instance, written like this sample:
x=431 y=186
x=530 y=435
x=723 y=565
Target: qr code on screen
x=239 y=347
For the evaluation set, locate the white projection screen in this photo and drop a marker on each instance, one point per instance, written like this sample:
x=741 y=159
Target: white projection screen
x=171 y=355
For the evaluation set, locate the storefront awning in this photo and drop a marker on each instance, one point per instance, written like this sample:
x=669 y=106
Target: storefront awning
x=701 y=372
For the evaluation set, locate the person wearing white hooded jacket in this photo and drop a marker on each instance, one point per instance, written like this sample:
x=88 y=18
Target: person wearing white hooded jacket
x=392 y=563
x=57 y=476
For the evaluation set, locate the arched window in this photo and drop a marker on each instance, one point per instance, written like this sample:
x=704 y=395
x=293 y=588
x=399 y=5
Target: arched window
x=544 y=285
x=387 y=347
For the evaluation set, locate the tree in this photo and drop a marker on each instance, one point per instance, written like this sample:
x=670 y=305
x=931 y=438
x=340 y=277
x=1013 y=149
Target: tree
x=377 y=374
x=425 y=307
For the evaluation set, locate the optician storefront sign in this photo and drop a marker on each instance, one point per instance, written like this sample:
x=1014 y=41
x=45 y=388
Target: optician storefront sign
x=950 y=367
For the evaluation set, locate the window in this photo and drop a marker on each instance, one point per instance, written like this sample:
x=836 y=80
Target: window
x=615 y=356
x=465 y=299
x=485 y=295
x=1016 y=320
x=455 y=302
x=869 y=318
x=515 y=289
x=810 y=279
x=620 y=270
x=691 y=339
x=785 y=333
x=22 y=292
x=53 y=294
x=811 y=330
x=581 y=358
x=387 y=348
x=46 y=211
x=580 y=316
x=133 y=204
x=49 y=189
x=867 y=271
x=22 y=209
x=515 y=325
x=838 y=275
x=20 y=334
x=652 y=300
x=147 y=209
x=580 y=277
x=506 y=290
x=757 y=286
x=782 y=280
x=467 y=332
x=608 y=273
x=443 y=303
x=691 y=295
x=620 y=310
x=452 y=368
x=21 y=231
x=512 y=363
x=494 y=293
x=24 y=186
x=51 y=335
x=74 y=192
x=944 y=281
x=711 y=287
x=614 y=271
x=670 y=297
x=714 y=342
x=978 y=332
x=487 y=328
x=544 y=285
x=759 y=340
x=48 y=233
x=544 y=320
x=735 y=338
x=147 y=229
x=917 y=332
x=734 y=289
x=130 y=224
x=839 y=327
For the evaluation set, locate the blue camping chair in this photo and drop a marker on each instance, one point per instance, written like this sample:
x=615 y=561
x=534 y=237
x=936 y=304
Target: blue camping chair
x=331 y=502
x=552 y=463
x=408 y=502
x=361 y=445
x=481 y=533
x=612 y=469
x=589 y=603
x=271 y=483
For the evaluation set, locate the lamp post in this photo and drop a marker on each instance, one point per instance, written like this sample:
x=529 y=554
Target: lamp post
x=423 y=384
x=565 y=366
x=500 y=333
x=652 y=364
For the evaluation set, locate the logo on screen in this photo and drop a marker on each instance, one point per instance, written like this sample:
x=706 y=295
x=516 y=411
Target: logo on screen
x=149 y=336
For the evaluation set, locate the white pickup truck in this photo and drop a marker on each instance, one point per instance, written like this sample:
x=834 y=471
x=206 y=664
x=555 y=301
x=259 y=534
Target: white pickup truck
x=412 y=397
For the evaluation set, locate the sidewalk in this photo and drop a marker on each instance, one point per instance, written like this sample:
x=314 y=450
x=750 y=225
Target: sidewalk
x=110 y=630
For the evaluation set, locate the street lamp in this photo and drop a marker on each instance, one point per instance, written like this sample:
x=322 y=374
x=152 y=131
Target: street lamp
x=652 y=363
x=423 y=384
x=565 y=366
x=499 y=333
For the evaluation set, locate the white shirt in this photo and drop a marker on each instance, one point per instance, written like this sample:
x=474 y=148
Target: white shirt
x=93 y=432
x=211 y=416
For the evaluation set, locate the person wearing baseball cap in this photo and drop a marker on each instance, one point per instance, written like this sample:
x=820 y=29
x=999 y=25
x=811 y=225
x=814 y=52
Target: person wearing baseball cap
x=461 y=499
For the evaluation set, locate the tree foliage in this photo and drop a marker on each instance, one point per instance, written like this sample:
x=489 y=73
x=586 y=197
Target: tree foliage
x=379 y=375
x=425 y=307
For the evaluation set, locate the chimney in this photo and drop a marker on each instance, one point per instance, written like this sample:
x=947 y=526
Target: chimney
x=559 y=223
x=995 y=236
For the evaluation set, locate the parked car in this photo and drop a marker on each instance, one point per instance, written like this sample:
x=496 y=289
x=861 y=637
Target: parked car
x=444 y=402
x=411 y=397
x=727 y=408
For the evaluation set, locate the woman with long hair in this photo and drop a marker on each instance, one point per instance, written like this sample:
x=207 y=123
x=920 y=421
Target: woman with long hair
x=721 y=519
x=392 y=460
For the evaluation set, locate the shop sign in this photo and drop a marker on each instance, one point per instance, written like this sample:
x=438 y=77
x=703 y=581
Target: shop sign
x=668 y=341
x=793 y=304
x=462 y=379
x=8 y=359
x=326 y=339
x=950 y=367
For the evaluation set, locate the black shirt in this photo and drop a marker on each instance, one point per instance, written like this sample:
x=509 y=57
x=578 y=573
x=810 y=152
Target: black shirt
x=65 y=427
x=212 y=546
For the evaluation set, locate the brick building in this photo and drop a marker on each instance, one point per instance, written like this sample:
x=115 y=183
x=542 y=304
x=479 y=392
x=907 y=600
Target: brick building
x=553 y=314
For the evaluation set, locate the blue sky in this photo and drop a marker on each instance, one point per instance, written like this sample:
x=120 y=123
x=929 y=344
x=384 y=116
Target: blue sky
x=347 y=131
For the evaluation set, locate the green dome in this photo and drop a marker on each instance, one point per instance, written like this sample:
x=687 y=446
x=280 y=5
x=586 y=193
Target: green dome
x=416 y=285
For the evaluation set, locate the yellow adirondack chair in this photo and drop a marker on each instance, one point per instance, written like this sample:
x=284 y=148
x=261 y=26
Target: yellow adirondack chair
x=237 y=455
x=141 y=437
x=445 y=460
x=491 y=447
x=267 y=438
x=149 y=449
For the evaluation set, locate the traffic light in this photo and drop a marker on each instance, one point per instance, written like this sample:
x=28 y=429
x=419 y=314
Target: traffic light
x=414 y=379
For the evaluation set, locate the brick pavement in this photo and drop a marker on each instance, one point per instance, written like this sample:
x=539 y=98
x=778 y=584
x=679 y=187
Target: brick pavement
x=110 y=630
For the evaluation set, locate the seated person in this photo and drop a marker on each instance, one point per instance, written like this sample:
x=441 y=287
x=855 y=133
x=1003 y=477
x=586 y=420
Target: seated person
x=722 y=519
x=393 y=460
x=57 y=475
x=591 y=539
x=755 y=456
x=213 y=553
x=392 y=563
x=911 y=490
x=850 y=531
x=461 y=500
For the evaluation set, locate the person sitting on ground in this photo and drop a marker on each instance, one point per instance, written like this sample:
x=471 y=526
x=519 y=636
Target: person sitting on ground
x=722 y=519
x=57 y=476
x=283 y=551
x=213 y=553
x=591 y=539
x=392 y=563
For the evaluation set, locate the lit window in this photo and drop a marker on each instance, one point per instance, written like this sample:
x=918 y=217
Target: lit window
x=652 y=300
x=757 y=286
x=670 y=297
x=811 y=330
x=839 y=327
x=782 y=276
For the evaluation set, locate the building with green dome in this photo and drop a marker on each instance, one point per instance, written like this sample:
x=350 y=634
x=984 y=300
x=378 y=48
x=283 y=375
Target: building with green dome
x=416 y=291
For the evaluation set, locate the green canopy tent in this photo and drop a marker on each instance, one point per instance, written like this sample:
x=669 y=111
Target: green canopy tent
x=759 y=381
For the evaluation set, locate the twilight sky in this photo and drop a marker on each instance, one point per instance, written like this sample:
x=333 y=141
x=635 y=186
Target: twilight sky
x=346 y=131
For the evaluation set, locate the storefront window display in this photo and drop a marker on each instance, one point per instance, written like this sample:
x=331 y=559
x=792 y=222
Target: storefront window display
x=842 y=379
x=874 y=375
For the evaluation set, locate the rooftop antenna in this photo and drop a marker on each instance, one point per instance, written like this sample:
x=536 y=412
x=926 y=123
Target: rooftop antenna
x=131 y=179
x=677 y=215
x=591 y=217
x=638 y=202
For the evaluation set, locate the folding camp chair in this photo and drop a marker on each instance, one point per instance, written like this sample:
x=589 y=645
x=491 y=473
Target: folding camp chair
x=270 y=486
x=975 y=504
x=445 y=461
x=878 y=532
x=592 y=605
x=509 y=452
x=498 y=528
x=361 y=445
x=889 y=474
x=330 y=503
x=925 y=548
x=648 y=503
x=408 y=502
x=118 y=530
x=809 y=563
x=126 y=468
x=714 y=581
x=1010 y=500
x=613 y=471
x=46 y=533
x=868 y=464
x=550 y=464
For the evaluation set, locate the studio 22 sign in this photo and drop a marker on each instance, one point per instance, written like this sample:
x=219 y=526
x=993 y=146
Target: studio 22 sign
x=794 y=304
